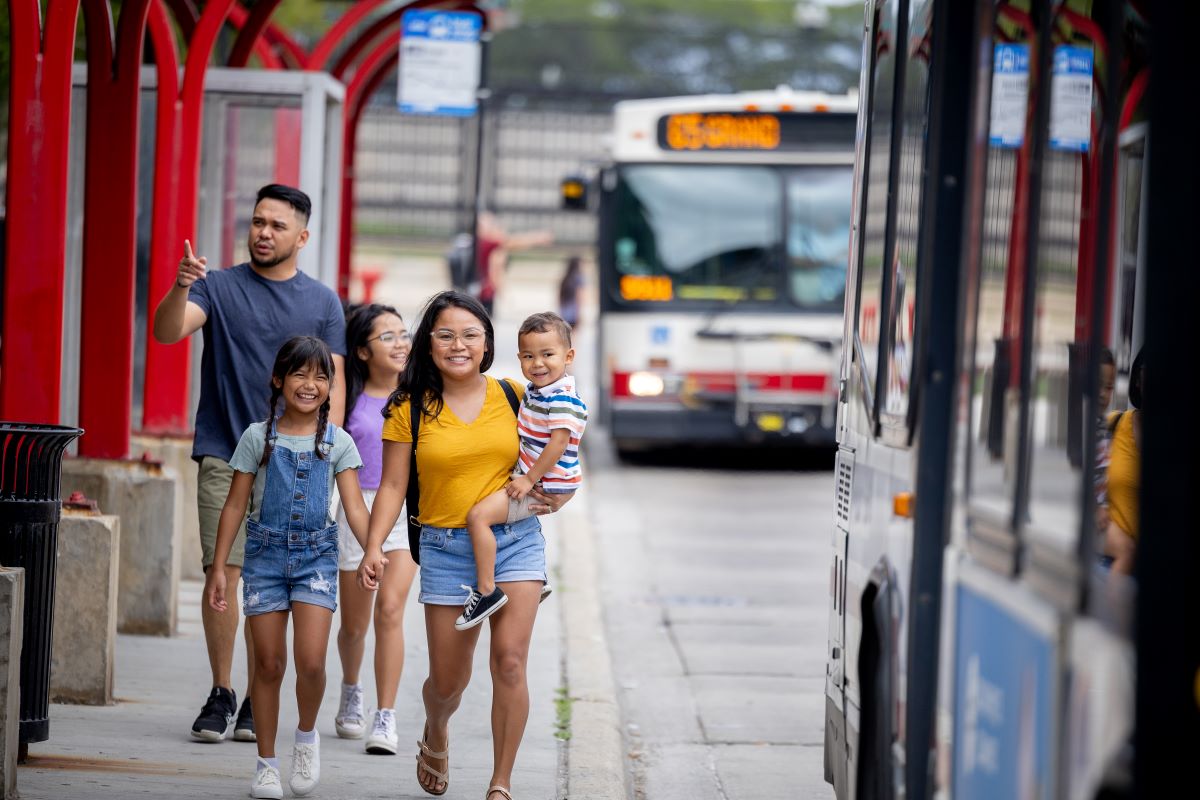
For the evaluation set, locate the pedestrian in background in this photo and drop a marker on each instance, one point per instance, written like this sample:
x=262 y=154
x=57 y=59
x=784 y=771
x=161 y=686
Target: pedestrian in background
x=246 y=312
x=570 y=291
x=377 y=345
x=493 y=246
x=284 y=470
x=1124 y=476
x=466 y=447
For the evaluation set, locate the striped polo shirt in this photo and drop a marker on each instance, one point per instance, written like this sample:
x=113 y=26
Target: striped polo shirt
x=544 y=410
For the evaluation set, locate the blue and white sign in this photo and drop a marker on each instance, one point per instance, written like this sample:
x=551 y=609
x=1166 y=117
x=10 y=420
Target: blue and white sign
x=1071 y=99
x=1010 y=90
x=1004 y=670
x=439 y=62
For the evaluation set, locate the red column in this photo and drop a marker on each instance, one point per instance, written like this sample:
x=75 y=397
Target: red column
x=36 y=227
x=110 y=227
x=176 y=189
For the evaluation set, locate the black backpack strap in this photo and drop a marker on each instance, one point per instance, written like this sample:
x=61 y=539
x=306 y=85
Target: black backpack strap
x=511 y=394
x=413 y=499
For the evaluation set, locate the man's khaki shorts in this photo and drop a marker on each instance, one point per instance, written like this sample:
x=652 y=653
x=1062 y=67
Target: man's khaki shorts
x=212 y=486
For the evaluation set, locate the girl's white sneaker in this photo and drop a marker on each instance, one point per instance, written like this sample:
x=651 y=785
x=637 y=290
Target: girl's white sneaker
x=383 y=740
x=306 y=767
x=266 y=782
x=349 y=721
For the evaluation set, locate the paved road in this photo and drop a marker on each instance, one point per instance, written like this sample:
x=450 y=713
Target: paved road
x=714 y=584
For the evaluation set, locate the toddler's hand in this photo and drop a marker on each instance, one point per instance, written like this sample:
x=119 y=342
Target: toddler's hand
x=214 y=588
x=519 y=486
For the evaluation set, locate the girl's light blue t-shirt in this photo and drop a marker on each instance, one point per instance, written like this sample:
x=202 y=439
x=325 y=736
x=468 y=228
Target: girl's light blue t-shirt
x=248 y=454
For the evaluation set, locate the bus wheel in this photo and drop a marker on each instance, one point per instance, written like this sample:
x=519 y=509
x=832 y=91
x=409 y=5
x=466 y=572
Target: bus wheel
x=874 y=779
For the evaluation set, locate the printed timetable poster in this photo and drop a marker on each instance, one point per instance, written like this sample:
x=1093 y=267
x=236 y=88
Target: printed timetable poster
x=1010 y=88
x=439 y=62
x=1071 y=99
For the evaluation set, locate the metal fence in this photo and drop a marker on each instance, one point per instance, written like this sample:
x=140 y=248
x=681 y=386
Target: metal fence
x=414 y=175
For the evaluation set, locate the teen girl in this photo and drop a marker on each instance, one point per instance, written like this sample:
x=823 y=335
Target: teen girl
x=284 y=468
x=377 y=346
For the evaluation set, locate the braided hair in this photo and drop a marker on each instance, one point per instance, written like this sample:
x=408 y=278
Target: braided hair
x=360 y=321
x=297 y=353
x=421 y=377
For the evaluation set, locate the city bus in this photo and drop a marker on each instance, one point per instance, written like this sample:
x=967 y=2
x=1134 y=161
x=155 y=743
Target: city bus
x=1024 y=186
x=723 y=228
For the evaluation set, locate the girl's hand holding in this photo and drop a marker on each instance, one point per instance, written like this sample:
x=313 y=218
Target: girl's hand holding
x=518 y=487
x=214 y=588
x=370 y=571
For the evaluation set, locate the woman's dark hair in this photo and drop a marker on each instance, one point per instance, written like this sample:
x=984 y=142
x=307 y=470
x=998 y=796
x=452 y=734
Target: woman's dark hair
x=1136 y=376
x=421 y=377
x=297 y=353
x=360 y=320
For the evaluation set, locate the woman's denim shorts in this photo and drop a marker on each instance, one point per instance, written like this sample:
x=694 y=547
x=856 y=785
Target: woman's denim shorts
x=448 y=561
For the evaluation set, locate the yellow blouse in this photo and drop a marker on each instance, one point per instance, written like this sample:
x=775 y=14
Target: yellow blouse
x=1124 y=476
x=460 y=464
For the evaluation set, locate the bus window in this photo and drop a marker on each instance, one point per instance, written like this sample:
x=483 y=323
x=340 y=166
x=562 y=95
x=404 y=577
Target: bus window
x=994 y=383
x=697 y=234
x=1065 y=292
x=818 y=235
x=877 y=184
x=902 y=305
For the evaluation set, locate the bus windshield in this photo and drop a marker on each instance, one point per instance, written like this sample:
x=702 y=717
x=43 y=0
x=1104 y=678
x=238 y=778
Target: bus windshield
x=704 y=235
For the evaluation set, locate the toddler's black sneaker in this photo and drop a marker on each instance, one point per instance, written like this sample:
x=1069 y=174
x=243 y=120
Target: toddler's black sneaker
x=479 y=607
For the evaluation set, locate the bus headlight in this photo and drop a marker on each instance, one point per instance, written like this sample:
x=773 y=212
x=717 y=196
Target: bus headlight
x=645 y=384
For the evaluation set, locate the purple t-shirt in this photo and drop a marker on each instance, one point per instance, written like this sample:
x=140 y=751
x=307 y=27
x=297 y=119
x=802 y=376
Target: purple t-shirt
x=366 y=426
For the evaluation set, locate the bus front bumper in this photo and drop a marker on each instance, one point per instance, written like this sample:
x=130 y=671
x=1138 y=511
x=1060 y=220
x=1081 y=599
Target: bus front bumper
x=809 y=425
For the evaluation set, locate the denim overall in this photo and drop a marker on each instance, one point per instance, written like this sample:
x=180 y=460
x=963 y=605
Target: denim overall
x=291 y=554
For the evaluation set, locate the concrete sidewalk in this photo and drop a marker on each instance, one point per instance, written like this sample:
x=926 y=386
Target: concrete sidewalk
x=141 y=745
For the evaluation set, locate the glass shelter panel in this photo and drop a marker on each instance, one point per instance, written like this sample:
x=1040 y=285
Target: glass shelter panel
x=994 y=383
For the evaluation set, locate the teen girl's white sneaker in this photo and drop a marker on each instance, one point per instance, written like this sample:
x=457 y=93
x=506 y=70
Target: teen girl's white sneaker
x=266 y=782
x=349 y=720
x=306 y=767
x=383 y=740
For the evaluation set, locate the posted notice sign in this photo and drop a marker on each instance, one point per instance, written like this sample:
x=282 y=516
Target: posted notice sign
x=1010 y=91
x=439 y=62
x=1071 y=99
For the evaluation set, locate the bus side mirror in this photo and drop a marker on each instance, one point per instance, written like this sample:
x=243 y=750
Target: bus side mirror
x=573 y=191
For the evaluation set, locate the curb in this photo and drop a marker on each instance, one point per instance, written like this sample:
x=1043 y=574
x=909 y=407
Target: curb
x=596 y=751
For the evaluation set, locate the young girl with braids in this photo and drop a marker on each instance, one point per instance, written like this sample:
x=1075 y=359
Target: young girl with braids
x=284 y=468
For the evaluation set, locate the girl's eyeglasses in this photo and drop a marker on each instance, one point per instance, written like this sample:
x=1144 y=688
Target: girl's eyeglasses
x=391 y=338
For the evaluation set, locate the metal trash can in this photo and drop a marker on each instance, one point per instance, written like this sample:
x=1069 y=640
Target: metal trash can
x=30 y=508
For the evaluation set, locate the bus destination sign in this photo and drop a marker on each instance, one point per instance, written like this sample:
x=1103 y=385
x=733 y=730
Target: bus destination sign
x=751 y=131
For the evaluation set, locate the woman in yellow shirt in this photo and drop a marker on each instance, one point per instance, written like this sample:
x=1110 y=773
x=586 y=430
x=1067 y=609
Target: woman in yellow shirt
x=1124 y=477
x=467 y=446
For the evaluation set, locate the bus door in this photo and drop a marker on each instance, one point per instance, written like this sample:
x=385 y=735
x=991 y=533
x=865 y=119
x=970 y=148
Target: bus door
x=1026 y=547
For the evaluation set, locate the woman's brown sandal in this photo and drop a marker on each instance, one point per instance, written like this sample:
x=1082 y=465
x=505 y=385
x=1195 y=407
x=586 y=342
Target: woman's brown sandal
x=501 y=790
x=422 y=764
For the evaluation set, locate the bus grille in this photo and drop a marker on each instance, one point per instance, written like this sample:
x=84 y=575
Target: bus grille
x=845 y=478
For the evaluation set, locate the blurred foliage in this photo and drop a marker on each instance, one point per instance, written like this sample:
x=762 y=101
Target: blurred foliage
x=666 y=47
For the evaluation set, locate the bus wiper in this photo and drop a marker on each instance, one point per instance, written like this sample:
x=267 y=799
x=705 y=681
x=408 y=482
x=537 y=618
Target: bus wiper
x=823 y=343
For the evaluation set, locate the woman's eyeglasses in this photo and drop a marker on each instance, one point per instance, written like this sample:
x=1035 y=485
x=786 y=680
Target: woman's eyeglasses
x=470 y=337
x=390 y=338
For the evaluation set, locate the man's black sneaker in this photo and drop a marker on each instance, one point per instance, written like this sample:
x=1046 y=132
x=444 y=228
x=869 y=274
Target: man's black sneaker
x=479 y=607
x=216 y=715
x=243 y=729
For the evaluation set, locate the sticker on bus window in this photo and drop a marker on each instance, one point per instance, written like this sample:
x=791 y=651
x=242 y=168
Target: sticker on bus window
x=1010 y=89
x=1071 y=99
x=646 y=288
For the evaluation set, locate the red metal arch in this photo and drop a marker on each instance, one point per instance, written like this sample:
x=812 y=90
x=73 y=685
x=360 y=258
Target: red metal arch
x=337 y=33
x=250 y=37
x=36 y=226
x=177 y=176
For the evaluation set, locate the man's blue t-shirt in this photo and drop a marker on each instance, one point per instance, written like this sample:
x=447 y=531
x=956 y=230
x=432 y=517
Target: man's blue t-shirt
x=249 y=319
